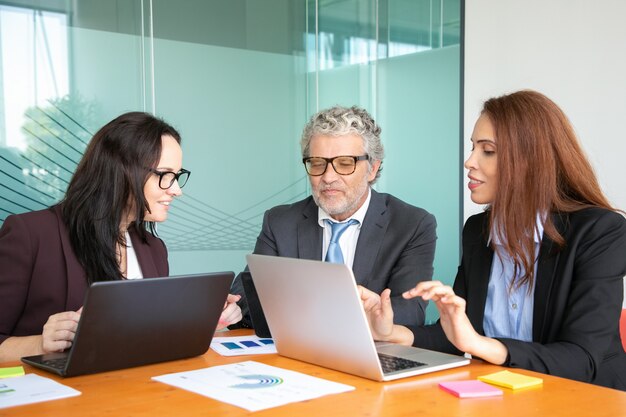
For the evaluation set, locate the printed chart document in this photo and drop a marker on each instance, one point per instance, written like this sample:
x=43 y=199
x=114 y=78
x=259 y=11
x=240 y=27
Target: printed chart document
x=32 y=388
x=253 y=385
x=242 y=345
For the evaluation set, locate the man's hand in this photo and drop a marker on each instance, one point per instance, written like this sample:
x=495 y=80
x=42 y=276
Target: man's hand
x=378 y=311
x=231 y=313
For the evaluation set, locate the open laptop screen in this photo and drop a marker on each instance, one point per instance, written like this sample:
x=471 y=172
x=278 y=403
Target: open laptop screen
x=137 y=322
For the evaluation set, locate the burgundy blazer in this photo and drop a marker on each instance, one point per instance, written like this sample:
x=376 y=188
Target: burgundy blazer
x=40 y=274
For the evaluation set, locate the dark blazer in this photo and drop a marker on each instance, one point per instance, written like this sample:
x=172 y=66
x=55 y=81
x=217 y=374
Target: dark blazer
x=40 y=274
x=395 y=249
x=578 y=298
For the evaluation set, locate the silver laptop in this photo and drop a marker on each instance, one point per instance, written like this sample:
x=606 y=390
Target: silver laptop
x=314 y=312
x=136 y=322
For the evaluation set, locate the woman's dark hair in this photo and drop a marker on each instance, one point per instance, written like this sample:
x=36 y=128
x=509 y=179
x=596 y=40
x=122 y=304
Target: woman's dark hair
x=107 y=188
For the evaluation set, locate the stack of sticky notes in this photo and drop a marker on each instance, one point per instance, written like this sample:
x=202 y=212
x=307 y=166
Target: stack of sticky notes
x=511 y=380
x=470 y=389
x=11 y=372
x=474 y=389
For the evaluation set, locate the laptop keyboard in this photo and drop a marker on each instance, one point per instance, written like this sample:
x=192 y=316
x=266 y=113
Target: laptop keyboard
x=394 y=363
x=58 y=363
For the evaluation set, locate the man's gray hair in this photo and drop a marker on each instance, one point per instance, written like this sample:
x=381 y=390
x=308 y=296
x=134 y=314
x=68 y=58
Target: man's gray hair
x=341 y=121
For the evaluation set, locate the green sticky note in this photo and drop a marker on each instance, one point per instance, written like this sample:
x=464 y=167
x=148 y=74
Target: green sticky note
x=13 y=371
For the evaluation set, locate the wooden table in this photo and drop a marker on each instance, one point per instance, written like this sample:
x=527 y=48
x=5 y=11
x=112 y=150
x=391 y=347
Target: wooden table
x=130 y=392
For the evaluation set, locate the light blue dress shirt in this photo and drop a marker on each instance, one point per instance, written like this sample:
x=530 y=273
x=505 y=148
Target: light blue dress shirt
x=349 y=239
x=509 y=311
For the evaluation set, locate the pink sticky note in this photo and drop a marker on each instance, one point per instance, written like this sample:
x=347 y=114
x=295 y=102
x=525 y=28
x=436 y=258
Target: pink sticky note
x=470 y=389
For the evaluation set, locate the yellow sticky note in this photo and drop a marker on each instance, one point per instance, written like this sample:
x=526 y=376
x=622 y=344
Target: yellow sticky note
x=9 y=372
x=511 y=380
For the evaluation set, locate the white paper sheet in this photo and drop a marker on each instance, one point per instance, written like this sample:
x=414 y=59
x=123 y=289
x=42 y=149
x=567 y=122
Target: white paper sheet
x=253 y=385
x=32 y=388
x=242 y=345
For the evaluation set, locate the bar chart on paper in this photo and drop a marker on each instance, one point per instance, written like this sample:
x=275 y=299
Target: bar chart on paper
x=242 y=345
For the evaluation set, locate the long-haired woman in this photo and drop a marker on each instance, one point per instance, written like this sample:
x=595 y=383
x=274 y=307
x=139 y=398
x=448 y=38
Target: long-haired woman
x=128 y=177
x=540 y=285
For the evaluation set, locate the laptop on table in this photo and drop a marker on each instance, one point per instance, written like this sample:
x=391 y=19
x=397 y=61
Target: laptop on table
x=137 y=322
x=257 y=317
x=314 y=313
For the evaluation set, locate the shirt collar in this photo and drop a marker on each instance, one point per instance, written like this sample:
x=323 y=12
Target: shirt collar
x=538 y=232
x=359 y=215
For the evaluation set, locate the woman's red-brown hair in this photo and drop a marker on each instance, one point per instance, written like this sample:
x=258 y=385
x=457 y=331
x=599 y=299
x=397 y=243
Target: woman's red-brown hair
x=542 y=169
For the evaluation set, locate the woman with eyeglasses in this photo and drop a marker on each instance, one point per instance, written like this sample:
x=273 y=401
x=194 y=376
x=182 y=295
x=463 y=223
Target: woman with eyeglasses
x=104 y=229
x=540 y=281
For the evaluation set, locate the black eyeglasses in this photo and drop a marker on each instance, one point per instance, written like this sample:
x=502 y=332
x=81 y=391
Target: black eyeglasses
x=167 y=178
x=343 y=165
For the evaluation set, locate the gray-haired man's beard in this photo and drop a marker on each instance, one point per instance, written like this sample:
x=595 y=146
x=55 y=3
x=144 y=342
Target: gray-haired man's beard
x=344 y=205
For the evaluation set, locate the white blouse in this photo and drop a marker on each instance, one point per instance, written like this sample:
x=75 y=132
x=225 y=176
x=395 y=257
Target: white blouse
x=133 y=270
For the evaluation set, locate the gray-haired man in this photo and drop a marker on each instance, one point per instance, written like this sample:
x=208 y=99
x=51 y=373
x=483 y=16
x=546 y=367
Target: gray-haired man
x=387 y=242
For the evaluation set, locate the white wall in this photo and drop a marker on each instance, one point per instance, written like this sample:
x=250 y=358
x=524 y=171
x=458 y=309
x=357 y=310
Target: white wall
x=574 y=51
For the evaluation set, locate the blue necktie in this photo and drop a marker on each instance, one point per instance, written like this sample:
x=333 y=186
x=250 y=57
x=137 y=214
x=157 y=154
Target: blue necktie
x=334 y=255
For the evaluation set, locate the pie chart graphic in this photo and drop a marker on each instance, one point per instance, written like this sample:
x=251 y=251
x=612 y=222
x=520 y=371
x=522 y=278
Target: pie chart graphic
x=258 y=381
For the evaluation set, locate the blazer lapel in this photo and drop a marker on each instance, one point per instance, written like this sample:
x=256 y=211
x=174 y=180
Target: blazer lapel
x=76 y=277
x=309 y=234
x=371 y=238
x=544 y=281
x=482 y=255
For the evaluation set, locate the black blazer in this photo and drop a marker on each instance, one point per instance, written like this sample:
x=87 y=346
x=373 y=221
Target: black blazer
x=577 y=304
x=395 y=250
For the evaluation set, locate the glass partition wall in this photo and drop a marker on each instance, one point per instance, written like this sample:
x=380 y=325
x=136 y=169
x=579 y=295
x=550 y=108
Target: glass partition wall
x=238 y=79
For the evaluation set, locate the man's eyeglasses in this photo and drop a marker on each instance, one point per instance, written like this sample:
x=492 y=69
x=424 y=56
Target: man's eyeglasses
x=167 y=178
x=343 y=165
